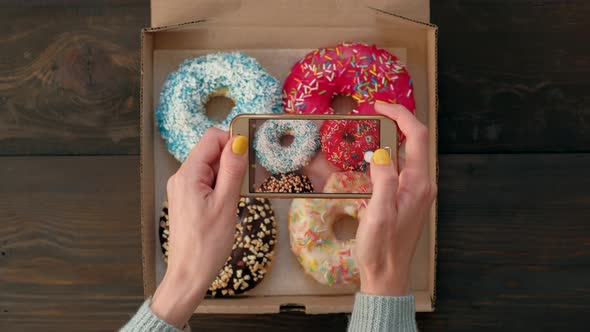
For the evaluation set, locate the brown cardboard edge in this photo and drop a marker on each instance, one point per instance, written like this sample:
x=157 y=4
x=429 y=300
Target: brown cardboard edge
x=381 y=11
x=433 y=135
x=422 y=24
x=309 y=304
x=172 y=26
x=432 y=53
x=146 y=169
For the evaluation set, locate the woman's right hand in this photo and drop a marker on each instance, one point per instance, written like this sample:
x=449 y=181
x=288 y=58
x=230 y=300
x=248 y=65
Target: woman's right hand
x=393 y=222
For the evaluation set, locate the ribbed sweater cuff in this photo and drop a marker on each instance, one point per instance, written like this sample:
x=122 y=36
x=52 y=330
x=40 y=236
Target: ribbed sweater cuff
x=383 y=313
x=146 y=320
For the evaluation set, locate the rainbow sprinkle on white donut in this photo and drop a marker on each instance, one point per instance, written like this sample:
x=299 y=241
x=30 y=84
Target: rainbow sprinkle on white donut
x=324 y=257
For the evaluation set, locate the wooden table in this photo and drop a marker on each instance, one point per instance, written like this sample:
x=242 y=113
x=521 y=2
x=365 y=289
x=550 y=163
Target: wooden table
x=514 y=142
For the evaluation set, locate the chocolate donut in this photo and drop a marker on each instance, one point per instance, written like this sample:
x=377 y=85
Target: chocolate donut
x=254 y=242
x=291 y=182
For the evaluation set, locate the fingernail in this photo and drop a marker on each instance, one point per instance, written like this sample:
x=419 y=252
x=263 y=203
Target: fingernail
x=381 y=102
x=240 y=145
x=381 y=157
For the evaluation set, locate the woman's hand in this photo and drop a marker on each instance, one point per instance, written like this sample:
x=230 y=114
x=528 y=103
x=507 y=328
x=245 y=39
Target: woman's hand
x=202 y=200
x=389 y=231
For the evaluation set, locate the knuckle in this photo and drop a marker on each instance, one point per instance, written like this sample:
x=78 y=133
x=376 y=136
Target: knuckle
x=433 y=190
x=171 y=183
x=422 y=133
x=212 y=131
x=232 y=170
x=389 y=178
x=423 y=190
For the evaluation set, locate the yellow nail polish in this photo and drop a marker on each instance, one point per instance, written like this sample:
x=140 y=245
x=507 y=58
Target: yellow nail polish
x=240 y=145
x=381 y=157
x=381 y=102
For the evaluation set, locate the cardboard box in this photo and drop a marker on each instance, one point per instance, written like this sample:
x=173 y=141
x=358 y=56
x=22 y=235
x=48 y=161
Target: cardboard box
x=277 y=37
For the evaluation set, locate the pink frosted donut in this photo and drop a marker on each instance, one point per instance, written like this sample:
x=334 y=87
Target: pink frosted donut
x=345 y=142
x=364 y=72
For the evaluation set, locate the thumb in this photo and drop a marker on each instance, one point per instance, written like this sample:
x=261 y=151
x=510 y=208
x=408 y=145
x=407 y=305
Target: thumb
x=232 y=166
x=384 y=177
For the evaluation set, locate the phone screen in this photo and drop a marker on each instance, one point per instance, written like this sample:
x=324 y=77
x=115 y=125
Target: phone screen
x=311 y=155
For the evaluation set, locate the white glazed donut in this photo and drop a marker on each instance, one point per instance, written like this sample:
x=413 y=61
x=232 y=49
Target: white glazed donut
x=329 y=260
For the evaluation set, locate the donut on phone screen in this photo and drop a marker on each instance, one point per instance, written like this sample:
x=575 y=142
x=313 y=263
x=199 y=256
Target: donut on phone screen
x=345 y=142
x=278 y=158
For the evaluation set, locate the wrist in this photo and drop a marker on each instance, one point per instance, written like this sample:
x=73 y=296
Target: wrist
x=176 y=298
x=388 y=284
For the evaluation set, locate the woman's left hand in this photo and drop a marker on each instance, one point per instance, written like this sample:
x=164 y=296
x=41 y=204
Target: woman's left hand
x=202 y=200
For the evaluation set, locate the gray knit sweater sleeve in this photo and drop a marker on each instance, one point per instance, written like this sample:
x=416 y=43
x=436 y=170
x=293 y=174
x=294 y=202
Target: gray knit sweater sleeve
x=376 y=313
x=146 y=320
x=371 y=313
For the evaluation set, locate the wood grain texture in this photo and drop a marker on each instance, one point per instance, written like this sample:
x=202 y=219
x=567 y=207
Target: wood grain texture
x=513 y=250
x=513 y=243
x=513 y=75
x=70 y=252
x=69 y=77
x=513 y=230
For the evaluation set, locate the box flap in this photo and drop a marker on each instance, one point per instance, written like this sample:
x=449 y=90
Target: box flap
x=366 y=17
x=273 y=12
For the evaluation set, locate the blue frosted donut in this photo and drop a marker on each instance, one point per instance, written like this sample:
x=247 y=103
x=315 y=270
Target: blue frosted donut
x=181 y=113
x=277 y=158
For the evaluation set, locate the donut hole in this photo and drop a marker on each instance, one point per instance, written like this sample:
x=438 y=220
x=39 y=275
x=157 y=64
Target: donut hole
x=218 y=107
x=348 y=138
x=343 y=104
x=286 y=139
x=345 y=227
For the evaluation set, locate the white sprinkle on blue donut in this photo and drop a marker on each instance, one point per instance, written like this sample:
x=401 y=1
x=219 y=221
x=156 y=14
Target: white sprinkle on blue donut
x=283 y=159
x=181 y=113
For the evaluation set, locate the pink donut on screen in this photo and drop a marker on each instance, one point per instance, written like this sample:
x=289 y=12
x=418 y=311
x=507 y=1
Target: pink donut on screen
x=345 y=142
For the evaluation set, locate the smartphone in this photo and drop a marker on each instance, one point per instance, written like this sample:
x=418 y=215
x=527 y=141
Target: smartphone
x=314 y=156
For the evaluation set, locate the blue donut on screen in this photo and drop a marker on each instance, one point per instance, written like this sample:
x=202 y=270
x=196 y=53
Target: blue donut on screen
x=275 y=157
x=181 y=115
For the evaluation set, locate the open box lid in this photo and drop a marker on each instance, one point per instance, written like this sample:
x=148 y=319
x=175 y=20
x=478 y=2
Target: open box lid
x=280 y=24
x=172 y=12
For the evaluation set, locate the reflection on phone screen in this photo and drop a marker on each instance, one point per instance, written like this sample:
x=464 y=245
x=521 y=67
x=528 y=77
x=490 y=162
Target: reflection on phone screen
x=312 y=156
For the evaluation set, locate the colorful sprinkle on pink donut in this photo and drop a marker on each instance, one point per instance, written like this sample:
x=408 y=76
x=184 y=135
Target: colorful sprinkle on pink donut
x=345 y=142
x=364 y=72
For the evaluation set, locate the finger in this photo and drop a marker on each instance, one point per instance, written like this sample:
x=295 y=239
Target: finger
x=416 y=134
x=384 y=178
x=205 y=153
x=232 y=167
x=401 y=161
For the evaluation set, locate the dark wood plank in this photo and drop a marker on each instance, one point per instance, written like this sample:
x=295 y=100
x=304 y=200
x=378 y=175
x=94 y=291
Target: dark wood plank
x=70 y=252
x=69 y=76
x=513 y=75
x=512 y=242
x=513 y=250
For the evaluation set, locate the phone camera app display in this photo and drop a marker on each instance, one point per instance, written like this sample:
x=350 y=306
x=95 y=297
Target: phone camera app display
x=312 y=156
